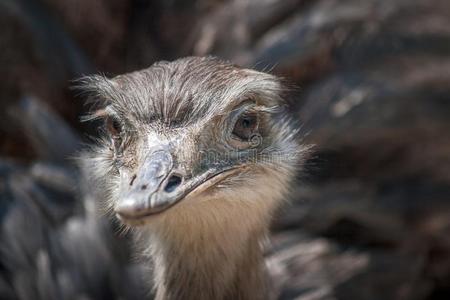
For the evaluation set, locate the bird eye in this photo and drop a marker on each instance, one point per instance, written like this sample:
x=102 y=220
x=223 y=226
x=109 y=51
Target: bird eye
x=246 y=126
x=113 y=126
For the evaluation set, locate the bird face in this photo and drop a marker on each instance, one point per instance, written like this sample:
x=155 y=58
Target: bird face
x=191 y=131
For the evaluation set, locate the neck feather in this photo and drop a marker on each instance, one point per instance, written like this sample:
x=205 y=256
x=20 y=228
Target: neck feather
x=209 y=256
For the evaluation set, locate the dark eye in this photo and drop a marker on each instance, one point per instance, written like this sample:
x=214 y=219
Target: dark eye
x=113 y=126
x=246 y=126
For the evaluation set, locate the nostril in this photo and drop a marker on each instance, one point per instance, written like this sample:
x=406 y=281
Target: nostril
x=172 y=183
x=132 y=179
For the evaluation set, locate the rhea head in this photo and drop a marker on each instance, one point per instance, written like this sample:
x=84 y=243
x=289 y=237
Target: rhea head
x=190 y=139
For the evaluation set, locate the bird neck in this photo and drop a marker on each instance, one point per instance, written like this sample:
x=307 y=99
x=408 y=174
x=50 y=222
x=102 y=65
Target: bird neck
x=198 y=258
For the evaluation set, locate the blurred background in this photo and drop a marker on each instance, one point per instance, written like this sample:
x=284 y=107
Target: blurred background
x=370 y=214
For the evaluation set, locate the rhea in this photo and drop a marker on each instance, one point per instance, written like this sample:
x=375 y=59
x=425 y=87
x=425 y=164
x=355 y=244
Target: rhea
x=196 y=156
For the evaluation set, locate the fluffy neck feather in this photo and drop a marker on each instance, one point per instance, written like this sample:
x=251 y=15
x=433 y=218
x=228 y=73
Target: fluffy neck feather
x=199 y=253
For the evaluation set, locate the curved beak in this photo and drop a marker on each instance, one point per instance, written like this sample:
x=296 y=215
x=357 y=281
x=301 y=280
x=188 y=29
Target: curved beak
x=146 y=192
x=156 y=186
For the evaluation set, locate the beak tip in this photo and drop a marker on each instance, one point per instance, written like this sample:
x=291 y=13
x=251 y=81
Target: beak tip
x=127 y=207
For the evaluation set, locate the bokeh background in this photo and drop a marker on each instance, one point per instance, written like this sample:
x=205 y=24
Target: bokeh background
x=370 y=214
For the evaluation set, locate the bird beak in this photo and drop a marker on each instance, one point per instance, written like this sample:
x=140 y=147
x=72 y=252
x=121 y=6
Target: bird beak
x=149 y=190
x=156 y=186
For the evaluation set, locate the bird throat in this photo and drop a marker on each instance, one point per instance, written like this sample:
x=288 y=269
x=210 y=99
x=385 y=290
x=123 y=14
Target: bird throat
x=213 y=257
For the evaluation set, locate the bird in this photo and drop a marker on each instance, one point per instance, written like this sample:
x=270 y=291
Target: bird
x=195 y=156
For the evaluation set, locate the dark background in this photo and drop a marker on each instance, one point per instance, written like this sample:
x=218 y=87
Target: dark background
x=370 y=214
